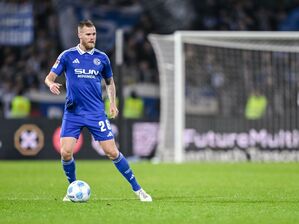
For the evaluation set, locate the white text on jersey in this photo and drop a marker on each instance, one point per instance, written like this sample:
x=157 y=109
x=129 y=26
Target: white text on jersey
x=80 y=71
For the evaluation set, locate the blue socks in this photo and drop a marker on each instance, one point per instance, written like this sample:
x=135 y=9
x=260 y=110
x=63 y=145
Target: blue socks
x=69 y=168
x=120 y=162
x=123 y=166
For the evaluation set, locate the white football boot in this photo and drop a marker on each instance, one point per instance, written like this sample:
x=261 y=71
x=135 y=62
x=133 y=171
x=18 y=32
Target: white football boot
x=66 y=198
x=143 y=196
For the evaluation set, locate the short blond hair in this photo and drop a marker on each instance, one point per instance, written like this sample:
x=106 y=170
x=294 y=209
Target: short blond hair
x=85 y=22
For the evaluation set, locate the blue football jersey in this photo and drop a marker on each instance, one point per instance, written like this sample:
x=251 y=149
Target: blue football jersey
x=84 y=72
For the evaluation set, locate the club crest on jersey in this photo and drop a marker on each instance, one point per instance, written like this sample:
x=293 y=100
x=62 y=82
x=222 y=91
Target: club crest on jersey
x=97 y=61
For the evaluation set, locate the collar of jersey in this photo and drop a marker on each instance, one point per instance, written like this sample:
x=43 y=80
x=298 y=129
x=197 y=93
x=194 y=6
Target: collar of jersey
x=83 y=52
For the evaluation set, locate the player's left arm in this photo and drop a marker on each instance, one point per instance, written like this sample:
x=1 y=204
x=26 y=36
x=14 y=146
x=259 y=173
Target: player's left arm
x=110 y=87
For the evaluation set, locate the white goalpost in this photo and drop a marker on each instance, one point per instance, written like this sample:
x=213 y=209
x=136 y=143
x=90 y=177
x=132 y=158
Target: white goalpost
x=206 y=78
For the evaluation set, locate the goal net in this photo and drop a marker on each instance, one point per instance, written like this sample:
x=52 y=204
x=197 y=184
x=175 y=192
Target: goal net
x=228 y=96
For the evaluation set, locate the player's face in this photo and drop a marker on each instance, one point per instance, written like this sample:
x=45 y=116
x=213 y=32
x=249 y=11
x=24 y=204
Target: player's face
x=87 y=36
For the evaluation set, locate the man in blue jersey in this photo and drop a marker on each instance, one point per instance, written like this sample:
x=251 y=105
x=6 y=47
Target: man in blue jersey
x=84 y=68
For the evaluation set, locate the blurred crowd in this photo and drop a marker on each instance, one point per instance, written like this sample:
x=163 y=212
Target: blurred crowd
x=23 y=69
x=242 y=14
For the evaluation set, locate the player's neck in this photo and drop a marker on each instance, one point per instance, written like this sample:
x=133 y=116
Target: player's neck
x=84 y=48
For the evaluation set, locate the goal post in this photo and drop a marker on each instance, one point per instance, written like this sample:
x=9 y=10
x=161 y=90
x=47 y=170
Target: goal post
x=171 y=67
x=206 y=78
x=179 y=104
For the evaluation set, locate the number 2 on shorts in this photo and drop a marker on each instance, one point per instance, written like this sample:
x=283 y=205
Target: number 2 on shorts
x=104 y=125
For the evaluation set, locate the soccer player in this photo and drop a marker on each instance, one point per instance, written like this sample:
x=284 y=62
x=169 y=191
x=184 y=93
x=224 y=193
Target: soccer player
x=84 y=67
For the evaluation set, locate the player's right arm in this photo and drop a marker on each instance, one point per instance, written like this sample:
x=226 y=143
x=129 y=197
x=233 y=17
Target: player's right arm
x=57 y=69
x=50 y=82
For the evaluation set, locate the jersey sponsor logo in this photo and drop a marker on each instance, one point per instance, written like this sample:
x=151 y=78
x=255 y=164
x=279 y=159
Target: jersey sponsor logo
x=56 y=64
x=76 y=61
x=82 y=71
x=97 y=61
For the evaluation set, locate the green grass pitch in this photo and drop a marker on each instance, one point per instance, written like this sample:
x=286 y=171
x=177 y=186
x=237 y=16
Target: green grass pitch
x=32 y=192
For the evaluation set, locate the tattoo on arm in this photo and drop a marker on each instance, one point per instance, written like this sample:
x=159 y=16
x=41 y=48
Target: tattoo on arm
x=111 y=90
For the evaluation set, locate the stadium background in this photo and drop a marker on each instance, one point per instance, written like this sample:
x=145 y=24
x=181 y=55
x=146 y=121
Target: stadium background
x=33 y=33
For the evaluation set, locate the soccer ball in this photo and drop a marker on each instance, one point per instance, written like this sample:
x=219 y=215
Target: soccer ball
x=78 y=191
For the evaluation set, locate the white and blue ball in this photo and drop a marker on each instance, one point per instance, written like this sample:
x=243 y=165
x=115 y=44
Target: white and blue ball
x=78 y=191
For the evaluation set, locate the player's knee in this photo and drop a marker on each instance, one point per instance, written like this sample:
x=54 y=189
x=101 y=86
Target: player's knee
x=66 y=154
x=110 y=149
x=112 y=154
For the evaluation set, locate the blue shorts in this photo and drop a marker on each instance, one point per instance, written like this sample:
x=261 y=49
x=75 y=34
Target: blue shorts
x=98 y=126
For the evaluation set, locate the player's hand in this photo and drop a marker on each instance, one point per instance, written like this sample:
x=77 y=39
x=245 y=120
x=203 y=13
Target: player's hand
x=113 y=111
x=54 y=88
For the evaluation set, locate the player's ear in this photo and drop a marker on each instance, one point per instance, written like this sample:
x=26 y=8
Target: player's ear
x=79 y=33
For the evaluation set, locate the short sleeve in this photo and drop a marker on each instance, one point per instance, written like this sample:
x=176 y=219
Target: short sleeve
x=59 y=66
x=107 y=69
